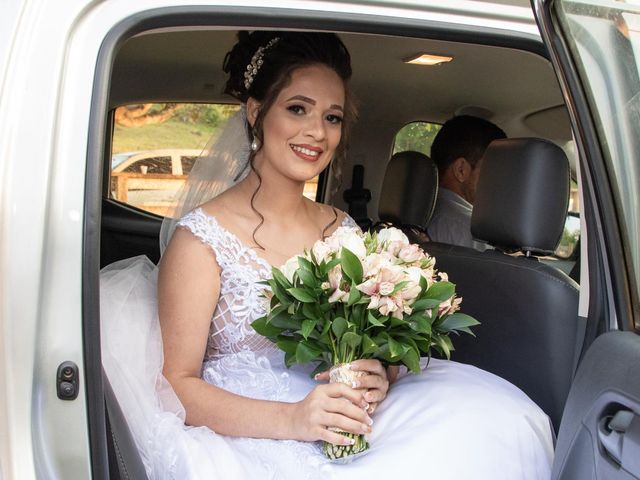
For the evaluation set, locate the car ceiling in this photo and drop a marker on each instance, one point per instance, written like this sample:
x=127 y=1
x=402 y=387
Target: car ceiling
x=514 y=88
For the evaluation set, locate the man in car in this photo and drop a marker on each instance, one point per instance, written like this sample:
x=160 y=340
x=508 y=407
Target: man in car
x=457 y=151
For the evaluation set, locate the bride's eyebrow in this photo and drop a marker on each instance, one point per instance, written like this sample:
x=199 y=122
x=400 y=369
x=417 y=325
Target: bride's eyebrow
x=311 y=101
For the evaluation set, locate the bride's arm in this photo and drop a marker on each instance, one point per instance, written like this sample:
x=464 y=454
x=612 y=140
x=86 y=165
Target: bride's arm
x=188 y=291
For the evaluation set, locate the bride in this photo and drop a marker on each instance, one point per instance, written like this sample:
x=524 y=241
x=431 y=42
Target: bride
x=207 y=397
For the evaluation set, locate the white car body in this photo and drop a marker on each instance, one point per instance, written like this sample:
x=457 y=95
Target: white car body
x=49 y=52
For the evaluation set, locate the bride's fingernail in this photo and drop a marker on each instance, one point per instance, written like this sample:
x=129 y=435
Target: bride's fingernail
x=365 y=406
x=355 y=383
x=366 y=428
x=370 y=421
x=349 y=441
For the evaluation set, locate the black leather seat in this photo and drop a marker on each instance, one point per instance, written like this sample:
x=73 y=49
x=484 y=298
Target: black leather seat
x=409 y=191
x=528 y=310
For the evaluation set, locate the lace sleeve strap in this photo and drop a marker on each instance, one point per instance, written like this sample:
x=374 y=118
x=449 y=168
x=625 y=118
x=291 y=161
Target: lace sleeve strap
x=347 y=221
x=206 y=229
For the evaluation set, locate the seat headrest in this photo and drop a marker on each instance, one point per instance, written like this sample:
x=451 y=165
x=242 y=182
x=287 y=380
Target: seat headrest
x=409 y=189
x=522 y=195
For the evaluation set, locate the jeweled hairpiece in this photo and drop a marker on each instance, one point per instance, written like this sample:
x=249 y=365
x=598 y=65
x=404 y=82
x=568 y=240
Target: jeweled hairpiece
x=256 y=62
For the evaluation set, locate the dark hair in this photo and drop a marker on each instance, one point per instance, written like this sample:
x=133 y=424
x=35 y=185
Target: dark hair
x=463 y=136
x=280 y=58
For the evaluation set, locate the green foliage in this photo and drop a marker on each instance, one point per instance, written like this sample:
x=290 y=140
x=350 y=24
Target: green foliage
x=416 y=136
x=191 y=126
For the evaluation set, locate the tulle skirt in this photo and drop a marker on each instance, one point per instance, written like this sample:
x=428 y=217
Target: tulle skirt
x=452 y=421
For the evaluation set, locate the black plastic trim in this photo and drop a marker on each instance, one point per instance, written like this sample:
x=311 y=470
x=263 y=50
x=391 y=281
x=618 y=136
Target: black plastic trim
x=99 y=128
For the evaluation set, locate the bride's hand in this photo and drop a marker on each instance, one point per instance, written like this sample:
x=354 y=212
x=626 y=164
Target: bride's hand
x=375 y=384
x=331 y=405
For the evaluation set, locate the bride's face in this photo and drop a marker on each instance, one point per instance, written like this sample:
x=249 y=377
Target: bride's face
x=302 y=129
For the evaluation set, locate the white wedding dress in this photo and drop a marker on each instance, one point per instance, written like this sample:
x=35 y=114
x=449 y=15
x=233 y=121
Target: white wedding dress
x=452 y=421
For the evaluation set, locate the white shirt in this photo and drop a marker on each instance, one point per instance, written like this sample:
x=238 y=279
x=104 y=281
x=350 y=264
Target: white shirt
x=451 y=221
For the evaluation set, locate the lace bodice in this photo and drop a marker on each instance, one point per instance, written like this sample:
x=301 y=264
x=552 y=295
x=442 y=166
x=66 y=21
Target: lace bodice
x=240 y=301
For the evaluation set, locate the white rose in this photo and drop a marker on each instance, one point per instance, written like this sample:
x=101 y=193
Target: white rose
x=410 y=253
x=392 y=234
x=289 y=268
x=321 y=251
x=336 y=239
x=355 y=244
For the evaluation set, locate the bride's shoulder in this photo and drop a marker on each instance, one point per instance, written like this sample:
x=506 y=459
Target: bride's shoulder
x=330 y=215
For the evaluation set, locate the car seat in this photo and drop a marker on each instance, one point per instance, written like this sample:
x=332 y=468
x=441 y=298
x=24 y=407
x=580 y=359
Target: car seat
x=408 y=194
x=528 y=310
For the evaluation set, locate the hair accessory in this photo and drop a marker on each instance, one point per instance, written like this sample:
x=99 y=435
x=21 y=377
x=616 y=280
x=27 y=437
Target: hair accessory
x=256 y=62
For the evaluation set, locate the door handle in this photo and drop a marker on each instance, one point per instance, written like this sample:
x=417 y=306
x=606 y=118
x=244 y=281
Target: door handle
x=619 y=436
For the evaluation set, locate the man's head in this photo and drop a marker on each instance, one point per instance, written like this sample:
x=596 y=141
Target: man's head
x=458 y=149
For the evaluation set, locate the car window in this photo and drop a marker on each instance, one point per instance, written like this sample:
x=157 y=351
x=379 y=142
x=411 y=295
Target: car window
x=416 y=136
x=155 y=146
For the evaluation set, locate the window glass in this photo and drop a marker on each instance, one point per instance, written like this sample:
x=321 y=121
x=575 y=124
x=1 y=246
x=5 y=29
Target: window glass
x=416 y=136
x=567 y=248
x=604 y=38
x=155 y=146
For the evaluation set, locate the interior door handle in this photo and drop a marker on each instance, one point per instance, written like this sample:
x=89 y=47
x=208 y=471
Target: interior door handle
x=620 y=437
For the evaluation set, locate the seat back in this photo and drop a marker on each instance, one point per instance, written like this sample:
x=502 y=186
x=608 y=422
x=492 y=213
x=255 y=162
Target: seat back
x=528 y=310
x=409 y=191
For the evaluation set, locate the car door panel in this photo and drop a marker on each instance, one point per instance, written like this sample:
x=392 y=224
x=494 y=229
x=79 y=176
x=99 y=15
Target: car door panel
x=593 y=442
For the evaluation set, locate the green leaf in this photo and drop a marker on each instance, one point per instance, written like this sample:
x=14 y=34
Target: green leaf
x=281 y=294
x=304 y=263
x=368 y=345
x=307 y=327
x=420 y=324
x=352 y=339
x=287 y=345
x=445 y=345
x=395 y=349
x=458 y=321
x=378 y=322
x=301 y=295
x=329 y=266
x=397 y=321
x=310 y=310
x=425 y=303
x=351 y=265
x=279 y=277
x=412 y=360
x=265 y=328
x=354 y=295
x=339 y=326
x=307 y=277
x=284 y=321
x=441 y=291
x=399 y=286
x=305 y=353
x=289 y=359
x=423 y=284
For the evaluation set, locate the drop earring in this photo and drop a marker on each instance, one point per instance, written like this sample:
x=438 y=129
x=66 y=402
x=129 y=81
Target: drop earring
x=255 y=144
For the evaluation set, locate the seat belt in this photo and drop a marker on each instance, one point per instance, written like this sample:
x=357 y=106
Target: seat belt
x=357 y=198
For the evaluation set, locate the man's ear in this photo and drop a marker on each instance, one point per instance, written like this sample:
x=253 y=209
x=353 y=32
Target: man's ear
x=253 y=108
x=461 y=169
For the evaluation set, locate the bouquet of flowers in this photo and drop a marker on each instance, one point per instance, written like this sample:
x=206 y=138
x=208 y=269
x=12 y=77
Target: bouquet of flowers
x=361 y=295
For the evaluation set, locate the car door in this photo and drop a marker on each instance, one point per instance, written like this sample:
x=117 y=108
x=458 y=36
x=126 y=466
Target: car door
x=595 y=48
